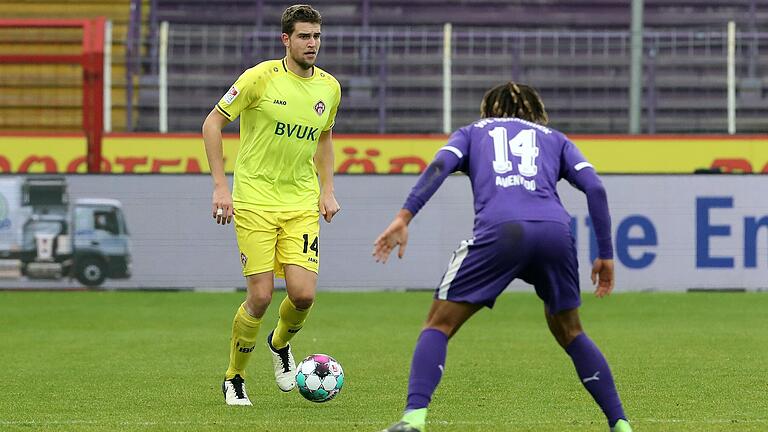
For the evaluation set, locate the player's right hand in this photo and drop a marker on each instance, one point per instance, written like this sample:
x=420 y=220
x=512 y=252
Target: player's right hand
x=602 y=275
x=222 y=205
x=395 y=234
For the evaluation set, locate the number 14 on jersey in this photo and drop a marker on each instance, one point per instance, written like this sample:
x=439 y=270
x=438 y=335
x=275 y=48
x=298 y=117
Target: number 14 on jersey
x=523 y=145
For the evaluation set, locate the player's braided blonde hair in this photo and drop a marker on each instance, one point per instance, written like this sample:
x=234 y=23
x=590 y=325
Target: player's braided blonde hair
x=514 y=100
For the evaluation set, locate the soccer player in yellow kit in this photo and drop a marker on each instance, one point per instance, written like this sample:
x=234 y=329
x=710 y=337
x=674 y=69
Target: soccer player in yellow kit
x=287 y=108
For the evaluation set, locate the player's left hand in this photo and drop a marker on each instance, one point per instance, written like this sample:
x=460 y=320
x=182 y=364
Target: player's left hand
x=602 y=275
x=395 y=234
x=328 y=206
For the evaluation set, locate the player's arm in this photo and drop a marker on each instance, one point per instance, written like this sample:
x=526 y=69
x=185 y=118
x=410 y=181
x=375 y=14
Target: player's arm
x=581 y=174
x=588 y=181
x=396 y=234
x=324 y=162
x=214 y=150
x=243 y=93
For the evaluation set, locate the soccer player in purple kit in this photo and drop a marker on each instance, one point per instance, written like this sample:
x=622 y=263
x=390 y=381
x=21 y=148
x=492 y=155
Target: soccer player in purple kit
x=521 y=231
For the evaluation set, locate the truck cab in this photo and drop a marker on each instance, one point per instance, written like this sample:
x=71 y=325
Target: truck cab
x=45 y=236
x=101 y=241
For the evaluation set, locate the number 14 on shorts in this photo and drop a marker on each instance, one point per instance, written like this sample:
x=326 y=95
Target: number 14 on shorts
x=307 y=246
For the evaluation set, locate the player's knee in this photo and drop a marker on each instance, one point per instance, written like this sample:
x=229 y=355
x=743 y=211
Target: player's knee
x=442 y=323
x=444 y=328
x=565 y=326
x=571 y=330
x=566 y=334
x=303 y=301
x=567 y=337
x=259 y=299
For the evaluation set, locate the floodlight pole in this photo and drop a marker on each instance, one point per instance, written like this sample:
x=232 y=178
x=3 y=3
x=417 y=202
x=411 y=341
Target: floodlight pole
x=731 y=77
x=447 y=36
x=162 y=104
x=636 y=67
x=107 y=76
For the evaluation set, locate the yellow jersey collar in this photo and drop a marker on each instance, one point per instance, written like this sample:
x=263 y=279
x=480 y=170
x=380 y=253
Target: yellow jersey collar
x=285 y=68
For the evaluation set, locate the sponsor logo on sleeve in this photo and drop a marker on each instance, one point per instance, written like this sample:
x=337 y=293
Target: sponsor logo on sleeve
x=231 y=95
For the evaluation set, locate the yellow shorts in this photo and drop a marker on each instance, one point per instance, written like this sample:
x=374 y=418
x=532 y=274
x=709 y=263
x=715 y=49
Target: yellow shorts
x=268 y=240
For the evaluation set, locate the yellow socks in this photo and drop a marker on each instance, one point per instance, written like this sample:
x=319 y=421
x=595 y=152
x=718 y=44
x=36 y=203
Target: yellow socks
x=245 y=328
x=290 y=322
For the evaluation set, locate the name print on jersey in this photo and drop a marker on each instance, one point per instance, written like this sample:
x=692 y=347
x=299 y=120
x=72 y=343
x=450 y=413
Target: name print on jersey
x=515 y=180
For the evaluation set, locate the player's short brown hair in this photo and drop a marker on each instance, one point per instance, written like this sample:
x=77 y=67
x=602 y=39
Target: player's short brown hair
x=514 y=100
x=299 y=13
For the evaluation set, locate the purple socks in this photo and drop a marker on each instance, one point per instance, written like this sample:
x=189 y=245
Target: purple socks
x=596 y=377
x=429 y=361
x=426 y=368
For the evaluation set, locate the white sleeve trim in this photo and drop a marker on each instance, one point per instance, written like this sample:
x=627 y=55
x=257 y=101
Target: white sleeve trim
x=581 y=165
x=453 y=150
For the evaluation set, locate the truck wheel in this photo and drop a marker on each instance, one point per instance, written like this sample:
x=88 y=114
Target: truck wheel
x=91 y=271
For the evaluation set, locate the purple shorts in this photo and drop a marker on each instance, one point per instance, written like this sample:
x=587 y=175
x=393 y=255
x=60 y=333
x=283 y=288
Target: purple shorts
x=541 y=253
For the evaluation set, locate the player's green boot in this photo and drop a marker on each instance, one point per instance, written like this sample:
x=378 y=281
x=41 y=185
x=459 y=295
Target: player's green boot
x=412 y=421
x=402 y=426
x=621 y=426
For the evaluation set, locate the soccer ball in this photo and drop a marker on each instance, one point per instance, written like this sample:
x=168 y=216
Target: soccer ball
x=319 y=378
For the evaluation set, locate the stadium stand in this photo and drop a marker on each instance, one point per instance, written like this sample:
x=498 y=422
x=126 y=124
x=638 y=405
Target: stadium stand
x=61 y=108
x=578 y=56
x=510 y=14
x=387 y=54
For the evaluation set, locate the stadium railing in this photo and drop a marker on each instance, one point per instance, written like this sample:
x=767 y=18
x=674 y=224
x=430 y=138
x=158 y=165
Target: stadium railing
x=392 y=78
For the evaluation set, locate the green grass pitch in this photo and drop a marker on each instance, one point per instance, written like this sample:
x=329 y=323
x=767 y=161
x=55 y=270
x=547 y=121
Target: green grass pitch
x=138 y=361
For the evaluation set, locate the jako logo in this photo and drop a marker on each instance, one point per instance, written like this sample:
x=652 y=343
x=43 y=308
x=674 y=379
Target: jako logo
x=297 y=131
x=246 y=349
x=280 y=102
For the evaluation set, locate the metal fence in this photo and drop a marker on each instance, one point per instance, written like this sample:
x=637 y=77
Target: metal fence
x=393 y=79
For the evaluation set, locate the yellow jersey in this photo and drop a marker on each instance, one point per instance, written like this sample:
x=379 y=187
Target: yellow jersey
x=281 y=118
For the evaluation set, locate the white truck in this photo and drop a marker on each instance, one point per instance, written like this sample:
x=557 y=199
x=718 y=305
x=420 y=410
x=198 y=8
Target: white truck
x=43 y=236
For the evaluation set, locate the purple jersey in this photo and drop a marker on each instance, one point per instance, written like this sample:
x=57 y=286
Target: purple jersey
x=514 y=166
